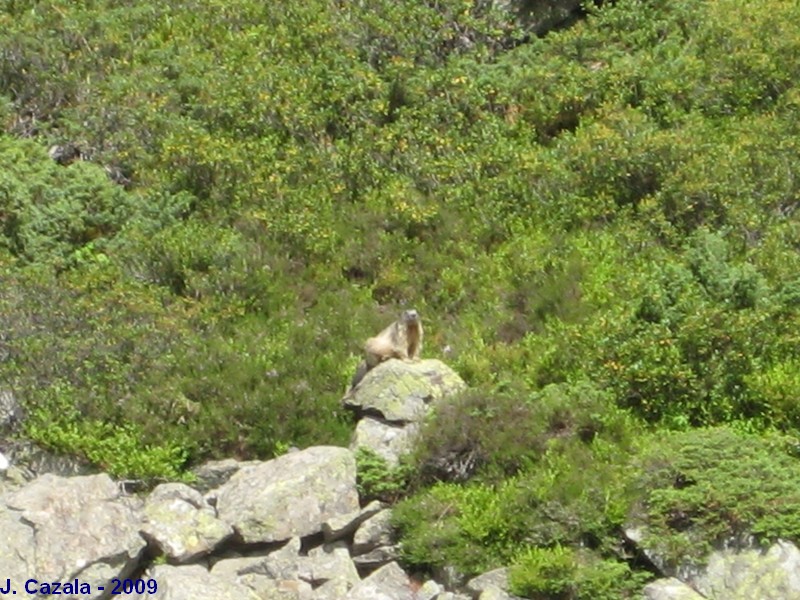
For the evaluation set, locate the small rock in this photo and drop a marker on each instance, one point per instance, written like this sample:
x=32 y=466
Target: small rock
x=341 y=526
x=387 y=583
x=497 y=578
x=670 y=589
x=181 y=523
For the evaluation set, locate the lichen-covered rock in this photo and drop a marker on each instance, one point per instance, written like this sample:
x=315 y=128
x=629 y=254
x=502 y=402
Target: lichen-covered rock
x=65 y=528
x=430 y=590
x=181 y=523
x=387 y=583
x=401 y=391
x=213 y=474
x=498 y=578
x=343 y=525
x=373 y=543
x=194 y=581
x=670 y=588
x=331 y=562
x=292 y=495
x=375 y=531
x=388 y=440
x=770 y=575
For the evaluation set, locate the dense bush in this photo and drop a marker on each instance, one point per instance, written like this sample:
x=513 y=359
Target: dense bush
x=709 y=487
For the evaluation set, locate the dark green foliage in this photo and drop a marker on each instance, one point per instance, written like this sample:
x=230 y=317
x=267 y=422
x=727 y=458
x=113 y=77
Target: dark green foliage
x=551 y=469
x=706 y=487
x=497 y=435
x=377 y=480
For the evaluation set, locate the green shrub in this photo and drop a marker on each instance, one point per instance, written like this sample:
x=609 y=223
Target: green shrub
x=706 y=487
x=544 y=572
x=566 y=573
x=452 y=525
x=376 y=480
x=499 y=434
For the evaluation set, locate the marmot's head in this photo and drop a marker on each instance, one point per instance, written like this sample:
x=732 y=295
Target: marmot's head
x=409 y=317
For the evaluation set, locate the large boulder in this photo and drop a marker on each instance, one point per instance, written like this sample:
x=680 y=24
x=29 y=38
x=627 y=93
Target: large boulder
x=61 y=529
x=400 y=391
x=392 y=401
x=293 y=495
x=181 y=523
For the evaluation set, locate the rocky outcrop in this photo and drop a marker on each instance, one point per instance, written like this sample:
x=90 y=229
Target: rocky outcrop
x=293 y=495
x=63 y=529
x=264 y=540
x=394 y=398
x=181 y=524
x=291 y=528
x=281 y=529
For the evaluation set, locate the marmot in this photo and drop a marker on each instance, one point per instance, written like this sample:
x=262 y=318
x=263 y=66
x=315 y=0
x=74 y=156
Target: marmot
x=402 y=339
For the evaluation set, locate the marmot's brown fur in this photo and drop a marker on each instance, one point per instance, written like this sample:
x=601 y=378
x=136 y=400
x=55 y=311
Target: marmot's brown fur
x=402 y=339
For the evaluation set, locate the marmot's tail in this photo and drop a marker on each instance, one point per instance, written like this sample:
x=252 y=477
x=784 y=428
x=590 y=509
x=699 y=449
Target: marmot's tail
x=362 y=370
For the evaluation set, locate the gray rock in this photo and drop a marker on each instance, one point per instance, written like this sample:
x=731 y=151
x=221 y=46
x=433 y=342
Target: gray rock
x=17 y=546
x=268 y=589
x=430 y=590
x=342 y=526
x=280 y=563
x=192 y=582
x=374 y=532
x=498 y=578
x=770 y=575
x=494 y=593
x=12 y=478
x=388 y=440
x=373 y=543
x=215 y=473
x=452 y=596
x=33 y=461
x=181 y=523
x=331 y=562
x=387 y=583
x=449 y=577
x=292 y=495
x=670 y=589
x=335 y=589
x=81 y=527
x=401 y=391
x=377 y=557
x=276 y=575
x=231 y=568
